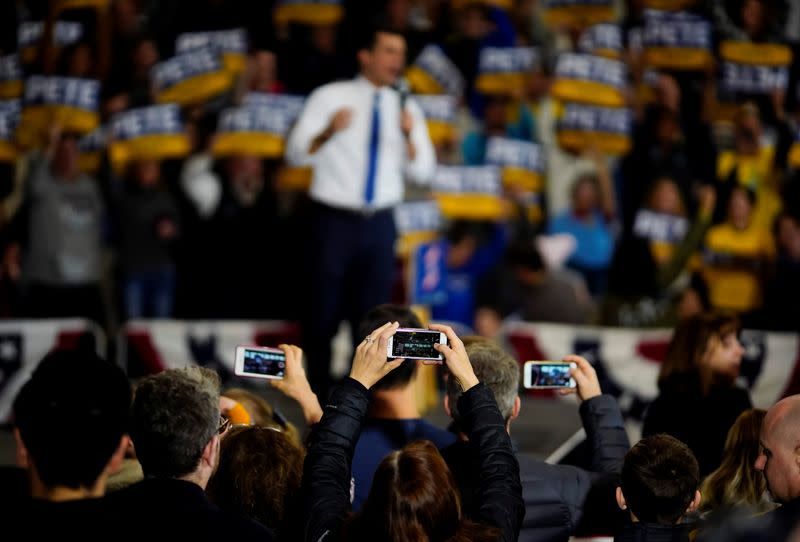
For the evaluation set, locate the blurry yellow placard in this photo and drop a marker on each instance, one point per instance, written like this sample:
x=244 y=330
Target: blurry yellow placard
x=314 y=12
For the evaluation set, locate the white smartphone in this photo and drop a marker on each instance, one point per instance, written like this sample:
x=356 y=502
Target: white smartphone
x=415 y=344
x=548 y=375
x=260 y=362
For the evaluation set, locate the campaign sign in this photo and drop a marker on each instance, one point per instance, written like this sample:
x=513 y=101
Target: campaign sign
x=434 y=73
x=155 y=132
x=590 y=79
x=190 y=78
x=440 y=116
x=502 y=70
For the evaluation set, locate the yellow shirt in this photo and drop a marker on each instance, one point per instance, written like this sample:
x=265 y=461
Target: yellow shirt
x=737 y=289
x=755 y=173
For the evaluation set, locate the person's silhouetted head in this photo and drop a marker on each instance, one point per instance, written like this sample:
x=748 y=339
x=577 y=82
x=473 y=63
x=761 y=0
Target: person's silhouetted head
x=659 y=481
x=71 y=421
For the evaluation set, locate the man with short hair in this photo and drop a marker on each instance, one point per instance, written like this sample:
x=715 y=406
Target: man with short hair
x=659 y=487
x=176 y=428
x=559 y=499
x=70 y=423
x=393 y=418
x=363 y=139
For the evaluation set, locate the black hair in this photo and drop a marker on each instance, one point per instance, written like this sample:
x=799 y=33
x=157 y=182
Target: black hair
x=369 y=37
x=459 y=230
x=71 y=416
x=659 y=479
x=374 y=319
x=524 y=254
x=633 y=270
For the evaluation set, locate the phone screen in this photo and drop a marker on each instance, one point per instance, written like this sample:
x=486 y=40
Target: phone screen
x=415 y=344
x=555 y=375
x=260 y=362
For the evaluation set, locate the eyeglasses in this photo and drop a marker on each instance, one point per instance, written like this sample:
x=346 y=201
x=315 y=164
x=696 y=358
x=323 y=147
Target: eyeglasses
x=224 y=424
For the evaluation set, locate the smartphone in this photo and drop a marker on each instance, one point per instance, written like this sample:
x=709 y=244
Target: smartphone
x=260 y=362
x=415 y=344
x=547 y=375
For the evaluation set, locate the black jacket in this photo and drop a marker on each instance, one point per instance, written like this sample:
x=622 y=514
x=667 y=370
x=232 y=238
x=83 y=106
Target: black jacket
x=561 y=500
x=169 y=509
x=701 y=422
x=651 y=532
x=737 y=525
x=326 y=473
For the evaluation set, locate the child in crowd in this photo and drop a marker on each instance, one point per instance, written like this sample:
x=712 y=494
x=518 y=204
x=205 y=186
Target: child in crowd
x=659 y=487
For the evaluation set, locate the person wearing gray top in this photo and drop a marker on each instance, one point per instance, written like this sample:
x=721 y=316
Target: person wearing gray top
x=62 y=221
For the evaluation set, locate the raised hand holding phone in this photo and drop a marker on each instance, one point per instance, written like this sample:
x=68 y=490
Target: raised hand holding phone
x=588 y=386
x=371 y=363
x=456 y=358
x=295 y=384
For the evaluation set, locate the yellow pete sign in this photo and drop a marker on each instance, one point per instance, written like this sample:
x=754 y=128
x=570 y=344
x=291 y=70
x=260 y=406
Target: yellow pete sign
x=440 y=117
x=417 y=222
x=232 y=44
x=603 y=39
x=253 y=130
x=434 y=73
x=502 y=70
x=11 y=85
x=191 y=78
x=9 y=115
x=314 y=12
x=590 y=79
x=29 y=36
x=70 y=102
x=676 y=40
x=148 y=133
x=469 y=192
x=606 y=128
x=578 y=13
x=502 y=4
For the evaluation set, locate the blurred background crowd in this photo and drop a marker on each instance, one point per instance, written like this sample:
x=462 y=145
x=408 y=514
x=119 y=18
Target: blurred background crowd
x=658 y=176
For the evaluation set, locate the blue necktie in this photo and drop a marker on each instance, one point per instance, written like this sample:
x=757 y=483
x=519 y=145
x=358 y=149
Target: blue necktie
x=374 y=142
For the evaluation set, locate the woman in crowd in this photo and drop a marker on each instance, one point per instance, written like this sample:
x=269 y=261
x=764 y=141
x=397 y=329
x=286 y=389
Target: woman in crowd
x=413 y=494
x=258 y=476
x=261 y=413
x=698 y=399
x=737 y=255
x=650 y=257
x=736 y=483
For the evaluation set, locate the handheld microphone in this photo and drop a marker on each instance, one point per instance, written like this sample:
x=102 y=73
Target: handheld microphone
x=403 y=89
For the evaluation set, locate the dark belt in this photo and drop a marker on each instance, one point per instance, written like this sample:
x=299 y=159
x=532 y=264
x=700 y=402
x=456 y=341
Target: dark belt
x=352 y=213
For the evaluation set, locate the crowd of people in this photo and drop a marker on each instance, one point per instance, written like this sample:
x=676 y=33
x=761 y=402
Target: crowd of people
x=176 y=457
x=696 y=208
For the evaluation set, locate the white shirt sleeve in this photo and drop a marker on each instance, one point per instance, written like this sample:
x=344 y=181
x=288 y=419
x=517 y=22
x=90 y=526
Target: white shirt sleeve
x=312 y=121
x=420 y=170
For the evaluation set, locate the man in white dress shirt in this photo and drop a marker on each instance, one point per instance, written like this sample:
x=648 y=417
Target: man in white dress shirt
x=363 y=139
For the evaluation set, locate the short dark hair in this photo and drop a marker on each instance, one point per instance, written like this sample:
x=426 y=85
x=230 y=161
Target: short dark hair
x=374 y=319
x=459 y=230
x=71 y=416
x=659 y=479
x=174 y=415
x=524 y=254
x=369 y=37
